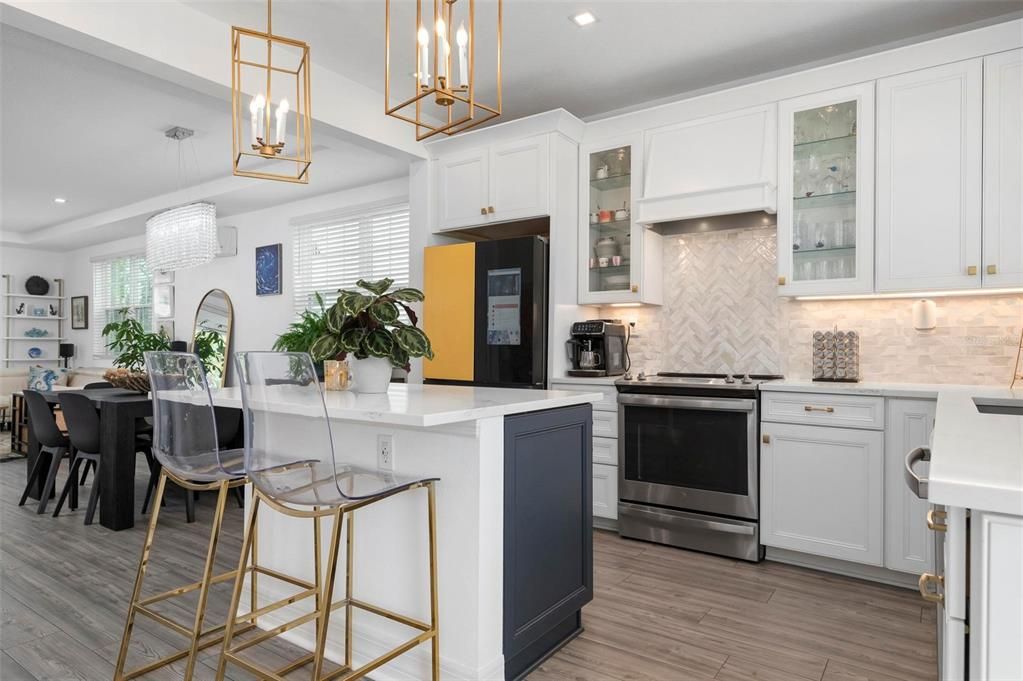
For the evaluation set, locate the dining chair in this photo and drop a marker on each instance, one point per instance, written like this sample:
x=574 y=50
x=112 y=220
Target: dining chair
x=281 y=397
x=82 y=421
x=51 y=441
x=190 y=455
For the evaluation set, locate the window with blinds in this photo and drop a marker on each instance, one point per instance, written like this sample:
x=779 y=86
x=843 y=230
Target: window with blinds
x=119 y=283
x=334 y=253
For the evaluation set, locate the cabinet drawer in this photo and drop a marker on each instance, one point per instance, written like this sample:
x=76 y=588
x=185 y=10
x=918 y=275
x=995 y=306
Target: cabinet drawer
x=605 y=491
x=605 y=450
x=608 y=403
x=605 y=424
x=823 y=409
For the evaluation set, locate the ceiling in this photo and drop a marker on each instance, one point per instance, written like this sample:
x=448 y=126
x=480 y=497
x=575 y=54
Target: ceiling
x=638 y=51
x=91 y=131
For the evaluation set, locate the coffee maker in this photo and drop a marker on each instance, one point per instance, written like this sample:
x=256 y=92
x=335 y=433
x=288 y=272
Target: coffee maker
x=598 y=347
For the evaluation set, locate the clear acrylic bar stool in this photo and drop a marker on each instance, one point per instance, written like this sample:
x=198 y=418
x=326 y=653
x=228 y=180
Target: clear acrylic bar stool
x=276 y=389
x=186 y=443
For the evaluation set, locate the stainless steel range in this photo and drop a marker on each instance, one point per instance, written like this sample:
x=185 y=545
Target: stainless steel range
x=689 y=461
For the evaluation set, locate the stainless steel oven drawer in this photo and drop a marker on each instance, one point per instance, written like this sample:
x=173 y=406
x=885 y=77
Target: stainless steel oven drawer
x=713 y=534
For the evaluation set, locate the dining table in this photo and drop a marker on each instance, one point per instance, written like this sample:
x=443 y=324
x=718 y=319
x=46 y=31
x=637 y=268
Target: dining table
x=119 y=412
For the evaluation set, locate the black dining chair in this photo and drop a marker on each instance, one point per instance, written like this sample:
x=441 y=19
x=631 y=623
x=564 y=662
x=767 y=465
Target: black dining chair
x=51 y=441
x=97 y=385
x=83 y=430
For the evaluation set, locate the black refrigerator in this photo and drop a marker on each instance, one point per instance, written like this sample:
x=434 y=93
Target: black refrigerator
x=486 y=313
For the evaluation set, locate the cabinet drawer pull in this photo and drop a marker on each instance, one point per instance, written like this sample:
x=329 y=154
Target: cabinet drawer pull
x=766 y=439
x=928 y=594
x=934 y=519
x=992 y=269
x=829 y=410
x=971 y=270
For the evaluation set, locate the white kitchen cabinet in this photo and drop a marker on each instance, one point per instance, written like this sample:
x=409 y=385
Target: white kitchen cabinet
x=996 y=596
x=1003 y=169
x=909 y=544
x=619 y=259
x=605 y=450
x=494 y=183
x=463 y=189
x=822 y=491
x=929 y=164
x=605 y=491
x=826 y=192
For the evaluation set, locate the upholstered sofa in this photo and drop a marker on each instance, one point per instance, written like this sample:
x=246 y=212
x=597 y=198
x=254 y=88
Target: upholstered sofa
x=16 y=379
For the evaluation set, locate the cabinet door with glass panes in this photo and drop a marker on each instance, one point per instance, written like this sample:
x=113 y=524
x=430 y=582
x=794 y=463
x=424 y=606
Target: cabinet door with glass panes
x=611 y=245
x=826 y=192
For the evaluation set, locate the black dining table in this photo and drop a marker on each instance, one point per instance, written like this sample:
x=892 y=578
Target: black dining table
x=119 y=411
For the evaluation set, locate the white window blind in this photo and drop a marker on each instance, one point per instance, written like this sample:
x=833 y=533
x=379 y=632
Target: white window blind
x=334 y=253
x=118 y=283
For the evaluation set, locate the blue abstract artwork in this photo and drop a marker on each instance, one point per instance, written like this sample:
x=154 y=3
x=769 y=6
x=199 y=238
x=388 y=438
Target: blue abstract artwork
x=268 y=270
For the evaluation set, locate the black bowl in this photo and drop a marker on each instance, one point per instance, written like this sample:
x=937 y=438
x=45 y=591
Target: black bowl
x=37 y=286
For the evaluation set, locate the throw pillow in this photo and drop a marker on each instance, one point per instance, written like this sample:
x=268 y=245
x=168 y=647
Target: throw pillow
x=43 y=378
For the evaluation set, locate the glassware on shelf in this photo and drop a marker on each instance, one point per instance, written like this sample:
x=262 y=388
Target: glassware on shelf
x=849 y=231
x=829 y=184
x=827 y=116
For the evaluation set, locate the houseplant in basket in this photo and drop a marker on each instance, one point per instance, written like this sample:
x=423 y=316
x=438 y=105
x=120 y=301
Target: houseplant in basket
x=129 y=339
x=366 y=327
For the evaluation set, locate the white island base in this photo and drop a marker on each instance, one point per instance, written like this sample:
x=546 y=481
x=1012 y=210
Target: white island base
x=456 y=434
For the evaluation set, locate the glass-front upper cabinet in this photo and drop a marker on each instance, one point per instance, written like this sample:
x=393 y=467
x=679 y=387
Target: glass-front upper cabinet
x=825 y=192
x=612 y=247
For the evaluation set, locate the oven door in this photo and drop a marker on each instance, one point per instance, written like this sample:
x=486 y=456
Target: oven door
x=689 y=453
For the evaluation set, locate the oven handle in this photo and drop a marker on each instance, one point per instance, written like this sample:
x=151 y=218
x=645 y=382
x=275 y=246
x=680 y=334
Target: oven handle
x=672 y=402
x=678 y=518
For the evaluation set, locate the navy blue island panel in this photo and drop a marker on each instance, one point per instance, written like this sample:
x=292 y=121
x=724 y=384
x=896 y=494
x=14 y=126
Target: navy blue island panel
x=548 y=532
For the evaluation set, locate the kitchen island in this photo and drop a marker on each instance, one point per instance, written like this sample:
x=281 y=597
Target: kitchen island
x=513 y=526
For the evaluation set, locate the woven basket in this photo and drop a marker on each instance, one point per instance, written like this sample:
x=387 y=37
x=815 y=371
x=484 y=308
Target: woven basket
x=138 y=382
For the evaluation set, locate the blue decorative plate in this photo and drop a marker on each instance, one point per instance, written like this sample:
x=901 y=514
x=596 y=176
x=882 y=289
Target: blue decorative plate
x=35 y=353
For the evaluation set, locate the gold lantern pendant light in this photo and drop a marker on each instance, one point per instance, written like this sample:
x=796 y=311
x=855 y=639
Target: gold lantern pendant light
x=447 y=101
x=264 y=66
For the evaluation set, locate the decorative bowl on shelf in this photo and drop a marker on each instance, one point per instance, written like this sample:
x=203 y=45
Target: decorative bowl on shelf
x=37 y=286
x=128 y=380
x=36 y=332
x=35 y=353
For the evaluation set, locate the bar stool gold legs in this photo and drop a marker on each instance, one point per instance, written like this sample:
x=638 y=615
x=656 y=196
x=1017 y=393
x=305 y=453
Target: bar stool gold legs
x=198 y=638
x=323 y=597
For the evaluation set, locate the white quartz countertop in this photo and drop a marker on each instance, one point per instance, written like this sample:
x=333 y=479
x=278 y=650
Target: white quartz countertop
x=423 y=405
x=911 y=390
x=977 y=458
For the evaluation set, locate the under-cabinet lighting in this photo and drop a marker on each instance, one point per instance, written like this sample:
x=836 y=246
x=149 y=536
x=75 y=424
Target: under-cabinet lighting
x=60 y=199
x=625 y=305
x=584 y=19
x=918 y=294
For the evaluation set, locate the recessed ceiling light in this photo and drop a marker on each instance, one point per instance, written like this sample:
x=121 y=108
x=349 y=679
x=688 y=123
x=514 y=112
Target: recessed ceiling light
x=60 y=199
x=584 y=19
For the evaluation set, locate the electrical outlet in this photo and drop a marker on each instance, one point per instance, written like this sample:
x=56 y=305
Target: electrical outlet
x=385 y=452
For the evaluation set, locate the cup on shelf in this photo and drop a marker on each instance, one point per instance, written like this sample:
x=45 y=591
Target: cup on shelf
x=603 y=262
x=616 y=260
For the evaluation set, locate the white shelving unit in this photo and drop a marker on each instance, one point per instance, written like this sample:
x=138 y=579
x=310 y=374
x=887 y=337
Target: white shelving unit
x=15 y=325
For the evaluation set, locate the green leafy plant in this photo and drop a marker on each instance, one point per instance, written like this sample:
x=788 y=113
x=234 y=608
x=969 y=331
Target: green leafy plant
x=211 y=348
x=301 y=335
x=367 y=323
x=130 y=340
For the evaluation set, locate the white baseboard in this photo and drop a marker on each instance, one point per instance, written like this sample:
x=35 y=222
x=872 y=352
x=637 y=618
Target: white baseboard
x=369 y=642
x=870 y=573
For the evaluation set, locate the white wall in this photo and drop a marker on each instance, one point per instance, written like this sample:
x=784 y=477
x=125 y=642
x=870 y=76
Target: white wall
x=257 y=320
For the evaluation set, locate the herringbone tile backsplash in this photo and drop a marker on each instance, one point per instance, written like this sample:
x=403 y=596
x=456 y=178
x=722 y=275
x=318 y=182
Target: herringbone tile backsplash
x=722 y=313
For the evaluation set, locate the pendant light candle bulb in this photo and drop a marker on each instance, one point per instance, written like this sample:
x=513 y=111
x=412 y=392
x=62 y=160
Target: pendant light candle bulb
x=444 y=54
x=424 y=55
x=462 y=38
x=257 y=108
x=282 y=120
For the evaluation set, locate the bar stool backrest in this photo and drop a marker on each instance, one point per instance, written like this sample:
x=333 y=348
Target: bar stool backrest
x=82 y=421
x=184 y=424
x=40 y=418
x=282 y=405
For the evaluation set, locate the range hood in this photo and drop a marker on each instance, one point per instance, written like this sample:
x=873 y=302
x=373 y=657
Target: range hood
x=719 y=165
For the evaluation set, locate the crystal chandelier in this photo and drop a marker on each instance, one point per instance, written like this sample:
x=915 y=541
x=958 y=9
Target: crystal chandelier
x=443 y=69
x=183 y=236
x=267 y=65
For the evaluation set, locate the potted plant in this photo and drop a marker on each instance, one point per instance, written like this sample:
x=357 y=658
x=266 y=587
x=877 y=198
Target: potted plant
x=366 y=325
x=301 y=334
x=130 y=340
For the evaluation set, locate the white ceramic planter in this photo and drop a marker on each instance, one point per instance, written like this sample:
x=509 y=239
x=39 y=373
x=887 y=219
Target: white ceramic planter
x=370 y=375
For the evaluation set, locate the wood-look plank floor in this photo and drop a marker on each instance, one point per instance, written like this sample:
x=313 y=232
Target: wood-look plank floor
x=659 y=614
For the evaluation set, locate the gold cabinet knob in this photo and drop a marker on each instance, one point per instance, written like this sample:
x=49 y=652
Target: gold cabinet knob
x=934 y=519
x=934 y=595
x=972 y=270
x=765 y=438
x=483 y=211
x=635 y=288
x=490 y=209
x=992 y=269
x=781 y=281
